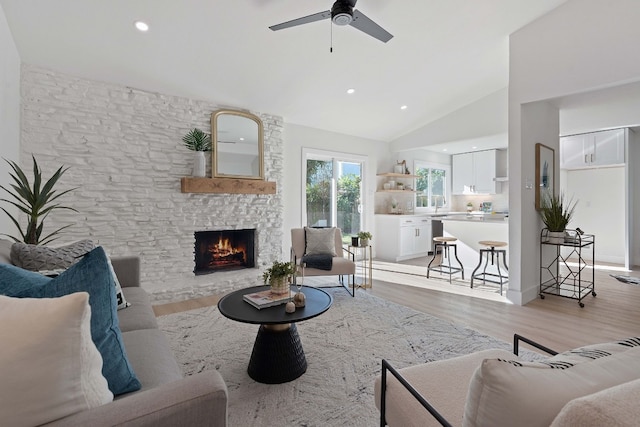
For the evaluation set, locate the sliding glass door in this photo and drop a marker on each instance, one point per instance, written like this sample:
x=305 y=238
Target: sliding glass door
x=333 y=191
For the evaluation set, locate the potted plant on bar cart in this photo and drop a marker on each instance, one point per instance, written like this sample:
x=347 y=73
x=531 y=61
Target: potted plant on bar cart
x=556 y=212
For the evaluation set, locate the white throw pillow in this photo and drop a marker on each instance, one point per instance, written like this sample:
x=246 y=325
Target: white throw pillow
x=320 y=241
x=528 y=394
x=49 y=366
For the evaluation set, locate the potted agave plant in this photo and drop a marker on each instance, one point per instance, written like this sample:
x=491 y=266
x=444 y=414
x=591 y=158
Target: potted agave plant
x=277 y=276
x=36 y=200
x=199 y=142
x=556 y=212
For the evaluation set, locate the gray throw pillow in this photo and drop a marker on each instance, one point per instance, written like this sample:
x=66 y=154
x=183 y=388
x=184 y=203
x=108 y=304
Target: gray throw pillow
x=53 y=260
x=320 y=241
x=39 y=258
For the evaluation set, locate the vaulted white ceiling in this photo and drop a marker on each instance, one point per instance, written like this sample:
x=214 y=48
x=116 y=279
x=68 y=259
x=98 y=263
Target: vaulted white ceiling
x=444 y=54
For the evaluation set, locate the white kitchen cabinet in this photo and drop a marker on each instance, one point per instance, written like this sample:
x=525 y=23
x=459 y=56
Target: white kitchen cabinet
x=595 y=149
x=475 y=173
x=401 y=237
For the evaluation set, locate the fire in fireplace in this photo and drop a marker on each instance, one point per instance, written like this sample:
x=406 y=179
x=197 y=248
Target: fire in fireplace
x=224 y=250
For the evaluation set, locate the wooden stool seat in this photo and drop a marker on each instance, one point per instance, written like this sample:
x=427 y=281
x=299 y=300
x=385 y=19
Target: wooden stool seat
x=492 y=243
x=444 y=239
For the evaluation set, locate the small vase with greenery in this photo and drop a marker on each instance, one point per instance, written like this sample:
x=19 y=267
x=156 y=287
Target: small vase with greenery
x=277 y=276
x=199 y=142
x=556 y=213
x=364 y=237
x=35 y=200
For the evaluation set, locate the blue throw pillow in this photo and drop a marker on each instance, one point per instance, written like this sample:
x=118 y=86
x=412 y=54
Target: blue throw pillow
x=92 y=275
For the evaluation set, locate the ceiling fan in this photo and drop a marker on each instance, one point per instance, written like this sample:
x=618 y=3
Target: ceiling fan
x=342 y=13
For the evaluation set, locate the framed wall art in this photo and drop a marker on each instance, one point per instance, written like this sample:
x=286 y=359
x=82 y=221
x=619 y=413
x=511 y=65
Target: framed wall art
x=545 y=167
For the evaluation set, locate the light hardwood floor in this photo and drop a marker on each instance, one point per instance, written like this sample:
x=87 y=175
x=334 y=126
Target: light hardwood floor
x=557 y=322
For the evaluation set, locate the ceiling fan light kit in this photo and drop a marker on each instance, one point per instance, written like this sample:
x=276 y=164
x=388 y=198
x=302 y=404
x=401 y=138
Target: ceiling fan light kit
x=342 y=13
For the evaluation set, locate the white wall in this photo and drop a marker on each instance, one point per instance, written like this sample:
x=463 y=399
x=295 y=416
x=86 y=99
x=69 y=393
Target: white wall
x=581 y=46
x=295 y=138
x=9 y=112
x=600 y=208
x=485 y=118
x=616 y=107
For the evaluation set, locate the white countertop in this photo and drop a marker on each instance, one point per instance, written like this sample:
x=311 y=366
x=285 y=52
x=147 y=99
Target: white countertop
x=475 y=216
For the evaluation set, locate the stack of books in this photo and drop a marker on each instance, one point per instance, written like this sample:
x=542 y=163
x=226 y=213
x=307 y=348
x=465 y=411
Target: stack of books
x=266 y=299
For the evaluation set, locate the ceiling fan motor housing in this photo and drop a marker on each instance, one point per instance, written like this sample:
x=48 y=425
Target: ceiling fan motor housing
x=342 y=12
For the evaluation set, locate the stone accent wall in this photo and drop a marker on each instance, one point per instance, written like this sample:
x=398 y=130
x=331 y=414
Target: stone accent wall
x=123 y=147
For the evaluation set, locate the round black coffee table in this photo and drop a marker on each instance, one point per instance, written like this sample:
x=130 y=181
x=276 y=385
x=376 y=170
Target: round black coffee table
x=277 y=355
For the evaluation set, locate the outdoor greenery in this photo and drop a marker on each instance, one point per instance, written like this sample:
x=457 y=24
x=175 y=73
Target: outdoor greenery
x=318 y=192
x=430 y=185
x=197 y=140
x=556 y=212
x=37 y=201
x=278 y=269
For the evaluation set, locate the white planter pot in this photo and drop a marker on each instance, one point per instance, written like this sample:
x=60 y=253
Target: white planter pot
x=199 y=164
x=556 y=237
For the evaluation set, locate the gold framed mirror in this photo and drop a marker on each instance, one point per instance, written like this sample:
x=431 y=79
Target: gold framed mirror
x=237 y=145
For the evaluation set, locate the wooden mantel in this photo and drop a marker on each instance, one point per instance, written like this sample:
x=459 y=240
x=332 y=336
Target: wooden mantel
x=226 y=185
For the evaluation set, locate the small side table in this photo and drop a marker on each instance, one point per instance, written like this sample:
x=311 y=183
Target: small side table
x=366 y=264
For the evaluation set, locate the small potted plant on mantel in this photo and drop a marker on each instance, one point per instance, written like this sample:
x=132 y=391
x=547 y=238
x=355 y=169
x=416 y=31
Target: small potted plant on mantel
x=364 y=237
x=556 y=212
x=200 y=142
x=277 y=276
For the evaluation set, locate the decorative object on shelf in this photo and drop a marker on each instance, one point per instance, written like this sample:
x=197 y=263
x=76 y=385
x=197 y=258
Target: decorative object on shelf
x=556 y=213
x=278 y=277
x=469 y=207
x=386 y=186
x=394 y=206
x=199 y=142
x=35 y=200
x=400 y=186
x=545 y=167
x=299 y=299
x=364 y=236
x=401 y=168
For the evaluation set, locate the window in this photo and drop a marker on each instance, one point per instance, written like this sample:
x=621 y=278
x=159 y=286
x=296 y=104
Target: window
x=333 y=191
x=432 y=185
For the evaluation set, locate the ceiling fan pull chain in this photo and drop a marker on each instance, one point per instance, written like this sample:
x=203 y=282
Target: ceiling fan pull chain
x=331 y=37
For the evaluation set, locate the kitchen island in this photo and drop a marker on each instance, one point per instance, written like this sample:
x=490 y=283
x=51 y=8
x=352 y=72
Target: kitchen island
x=469 y=230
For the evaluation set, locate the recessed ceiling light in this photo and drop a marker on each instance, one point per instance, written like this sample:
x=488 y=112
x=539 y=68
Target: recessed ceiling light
x=474 y=147
x=350 y=91
x=141 y=26
x=241 y=139
x=404 y=107
x=444 y=149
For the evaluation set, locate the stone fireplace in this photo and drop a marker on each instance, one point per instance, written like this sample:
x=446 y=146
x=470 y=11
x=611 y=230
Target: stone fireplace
x=122 y=147
x=224 y=250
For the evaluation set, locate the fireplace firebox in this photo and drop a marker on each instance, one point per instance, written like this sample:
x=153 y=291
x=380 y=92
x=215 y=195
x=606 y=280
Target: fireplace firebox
x=224 y=250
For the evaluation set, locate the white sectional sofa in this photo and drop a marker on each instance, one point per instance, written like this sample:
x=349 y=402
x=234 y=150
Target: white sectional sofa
x=591 y=386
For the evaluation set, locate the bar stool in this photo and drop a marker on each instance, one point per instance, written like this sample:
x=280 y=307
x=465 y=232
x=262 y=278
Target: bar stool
x=445 y=243
x=490 y=249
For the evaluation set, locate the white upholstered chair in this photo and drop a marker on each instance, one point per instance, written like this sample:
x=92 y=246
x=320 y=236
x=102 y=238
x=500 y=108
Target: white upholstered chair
x=343 y=262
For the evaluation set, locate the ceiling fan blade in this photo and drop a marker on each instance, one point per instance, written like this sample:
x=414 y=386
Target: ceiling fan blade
x=304 y=20
x=366 y=25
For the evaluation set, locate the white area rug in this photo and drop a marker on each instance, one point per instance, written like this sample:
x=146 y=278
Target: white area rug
x=343 y=346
